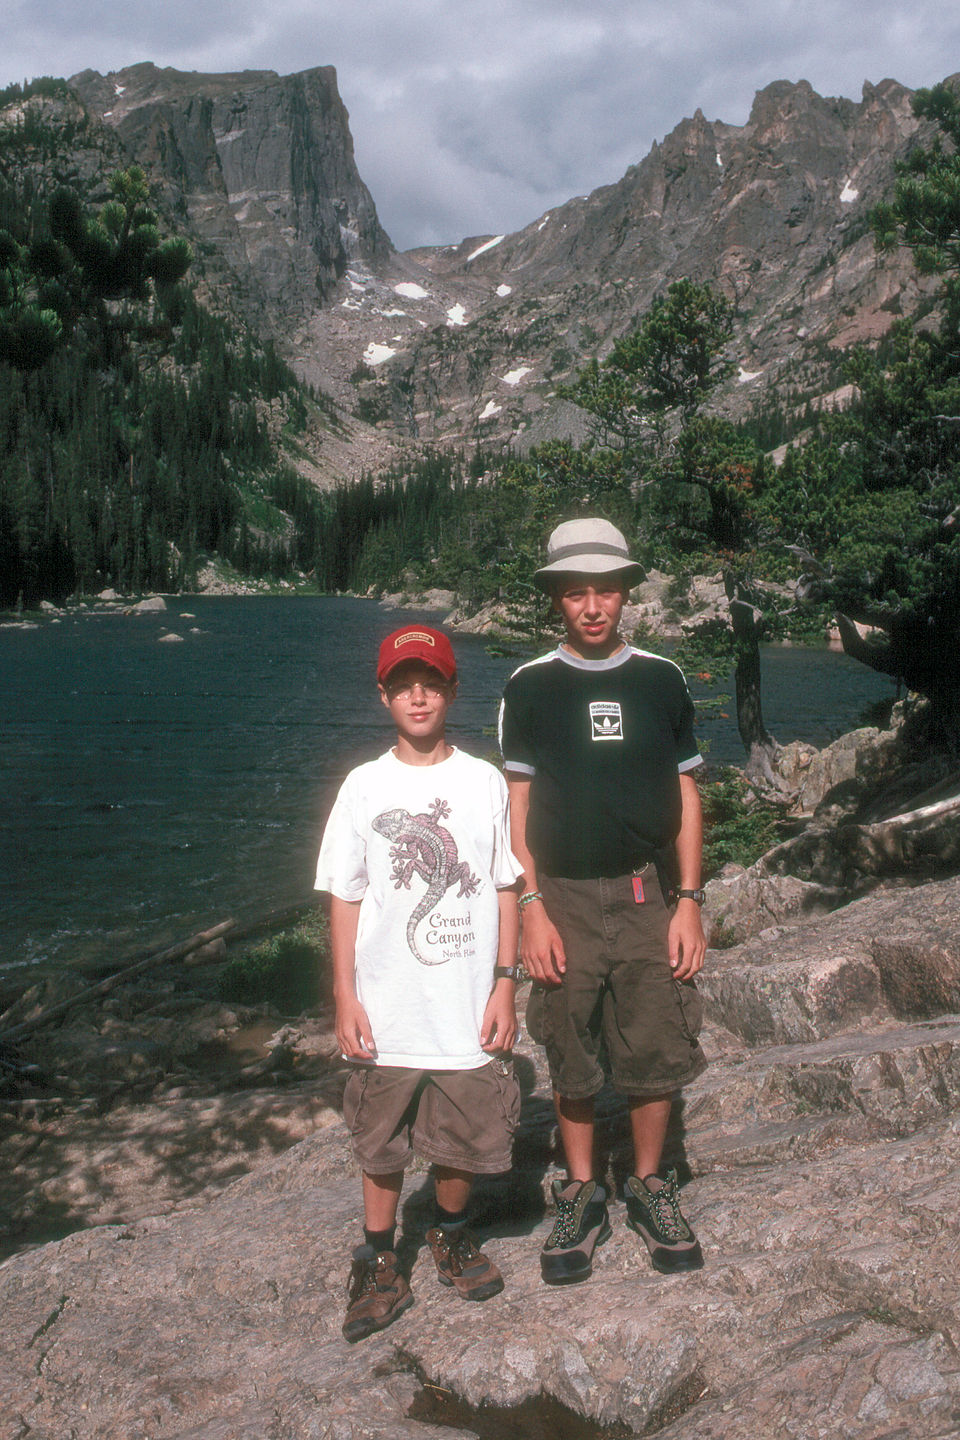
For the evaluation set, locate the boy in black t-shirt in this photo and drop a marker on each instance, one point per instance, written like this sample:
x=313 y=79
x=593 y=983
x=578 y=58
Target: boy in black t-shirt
x=598 y=745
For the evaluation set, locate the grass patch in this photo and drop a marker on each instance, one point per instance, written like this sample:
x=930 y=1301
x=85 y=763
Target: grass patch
x=290 y=970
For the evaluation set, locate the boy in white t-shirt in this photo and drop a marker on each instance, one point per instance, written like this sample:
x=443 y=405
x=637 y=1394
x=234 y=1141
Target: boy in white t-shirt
x=423 y=923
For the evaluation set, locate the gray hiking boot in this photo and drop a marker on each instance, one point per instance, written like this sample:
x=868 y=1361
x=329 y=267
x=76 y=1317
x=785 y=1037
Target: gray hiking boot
x=655 y=1215
x=377 y=1293
x=581 y=1225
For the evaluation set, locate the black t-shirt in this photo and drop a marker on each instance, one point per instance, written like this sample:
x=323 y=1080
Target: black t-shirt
x=605 y=742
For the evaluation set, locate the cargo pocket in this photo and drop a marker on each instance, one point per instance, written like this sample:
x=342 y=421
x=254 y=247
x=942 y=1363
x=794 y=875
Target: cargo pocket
x=534 y=1016
x=691 y=1008
x=353 y=1096
x=508 y=1090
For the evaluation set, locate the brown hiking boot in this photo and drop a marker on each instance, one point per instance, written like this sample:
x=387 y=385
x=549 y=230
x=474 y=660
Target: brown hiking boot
x=461 y=1264
x=377 y=1292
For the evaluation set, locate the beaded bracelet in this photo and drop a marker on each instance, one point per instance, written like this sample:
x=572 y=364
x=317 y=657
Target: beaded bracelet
x=525 y=899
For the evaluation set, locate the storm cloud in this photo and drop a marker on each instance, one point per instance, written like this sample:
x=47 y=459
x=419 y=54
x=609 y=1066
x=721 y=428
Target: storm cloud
x=473 y=119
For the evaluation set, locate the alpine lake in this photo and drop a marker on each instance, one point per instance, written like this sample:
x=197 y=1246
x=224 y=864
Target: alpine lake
x=149 y=790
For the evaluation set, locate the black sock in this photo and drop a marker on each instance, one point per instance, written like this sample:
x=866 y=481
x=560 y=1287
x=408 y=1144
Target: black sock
x=381 y=1240
x=450 y=1219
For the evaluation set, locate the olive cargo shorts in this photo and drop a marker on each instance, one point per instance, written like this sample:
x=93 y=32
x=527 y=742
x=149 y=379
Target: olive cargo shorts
x=618 y=998
x=463 y=1119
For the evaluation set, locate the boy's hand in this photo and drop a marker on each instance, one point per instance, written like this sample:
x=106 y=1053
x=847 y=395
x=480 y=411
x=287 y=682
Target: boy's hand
x=686 y=941
x=498 y=1029
x=541 y=949
x=354 y=1035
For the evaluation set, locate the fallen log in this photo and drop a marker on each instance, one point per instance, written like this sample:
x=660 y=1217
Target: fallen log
x=924 y=839
x=233 y=929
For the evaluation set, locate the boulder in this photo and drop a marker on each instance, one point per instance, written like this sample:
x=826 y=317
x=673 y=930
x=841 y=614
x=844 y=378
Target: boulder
x=887 y=956
x=742 y=902
x=432 y=599
x=148 y=606
x=858 y=757
x=493 y=619
x=876 y=807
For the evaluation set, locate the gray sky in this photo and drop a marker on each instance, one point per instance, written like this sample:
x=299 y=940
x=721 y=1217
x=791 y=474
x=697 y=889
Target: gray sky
x=475 y=118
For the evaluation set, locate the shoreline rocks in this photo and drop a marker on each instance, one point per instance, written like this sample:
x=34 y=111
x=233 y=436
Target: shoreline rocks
x=652 y=611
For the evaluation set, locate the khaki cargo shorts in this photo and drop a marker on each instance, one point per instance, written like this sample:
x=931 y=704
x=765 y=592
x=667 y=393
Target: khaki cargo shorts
x=463 y=1119
x=619 y=1009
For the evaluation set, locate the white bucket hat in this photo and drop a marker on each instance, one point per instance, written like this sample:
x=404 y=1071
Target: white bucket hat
x=587 y=547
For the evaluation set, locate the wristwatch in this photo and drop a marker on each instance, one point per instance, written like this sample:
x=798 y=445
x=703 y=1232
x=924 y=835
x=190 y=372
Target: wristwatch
x=506 y=972
x=697 y=895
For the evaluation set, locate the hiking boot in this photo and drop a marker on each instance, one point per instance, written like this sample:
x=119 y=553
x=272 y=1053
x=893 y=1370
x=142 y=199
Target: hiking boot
x=460 y=1264
x=377 y=1292
x=581 y=1225
x=655 y=1215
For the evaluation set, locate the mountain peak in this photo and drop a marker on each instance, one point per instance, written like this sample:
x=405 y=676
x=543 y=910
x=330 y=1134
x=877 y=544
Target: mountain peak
x=452 y=343
x=264 y=167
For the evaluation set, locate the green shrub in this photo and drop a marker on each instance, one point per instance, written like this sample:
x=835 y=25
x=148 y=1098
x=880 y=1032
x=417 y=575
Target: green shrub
x=738 y=827
x=286 y=970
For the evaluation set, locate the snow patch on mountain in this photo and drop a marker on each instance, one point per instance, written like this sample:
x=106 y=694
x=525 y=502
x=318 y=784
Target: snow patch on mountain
x=410 y=291
x=513 y=377
x=482 y=248
x=376 y=354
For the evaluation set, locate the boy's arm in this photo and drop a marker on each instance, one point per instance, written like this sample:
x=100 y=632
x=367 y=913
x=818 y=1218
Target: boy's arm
x=687 y=943
x=541 y=949
x=354 y=1035
x=498 y=1029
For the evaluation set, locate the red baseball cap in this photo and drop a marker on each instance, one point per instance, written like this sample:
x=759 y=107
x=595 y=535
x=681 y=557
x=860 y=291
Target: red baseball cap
x=416 y=642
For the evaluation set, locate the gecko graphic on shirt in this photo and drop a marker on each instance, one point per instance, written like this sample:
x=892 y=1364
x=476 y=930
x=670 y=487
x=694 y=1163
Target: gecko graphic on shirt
x=422 y=846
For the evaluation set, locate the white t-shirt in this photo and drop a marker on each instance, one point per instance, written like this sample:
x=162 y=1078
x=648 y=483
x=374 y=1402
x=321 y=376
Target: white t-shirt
x=424 y=848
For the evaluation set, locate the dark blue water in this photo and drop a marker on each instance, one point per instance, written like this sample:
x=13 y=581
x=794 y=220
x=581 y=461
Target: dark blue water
x=148 y=790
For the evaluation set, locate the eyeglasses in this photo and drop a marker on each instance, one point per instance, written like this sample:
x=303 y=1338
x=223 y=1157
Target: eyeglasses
x=405 y=688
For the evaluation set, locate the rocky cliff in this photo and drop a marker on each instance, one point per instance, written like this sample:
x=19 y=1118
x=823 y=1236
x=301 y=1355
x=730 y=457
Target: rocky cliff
x=468 y=341
x=774 y=213
x=260 y=167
